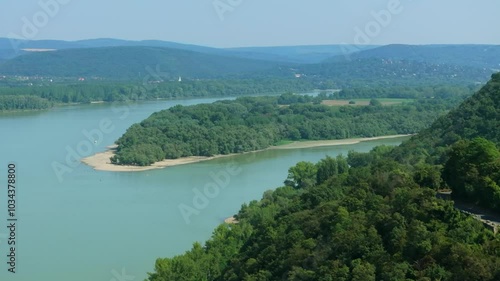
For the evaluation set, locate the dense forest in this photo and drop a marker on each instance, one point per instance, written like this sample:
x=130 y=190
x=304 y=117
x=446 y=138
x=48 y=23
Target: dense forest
x=86 y=92
x=482 y=56
x=369 y=216
x=463 y=146
x=134 y=63
x=126 y=63
x=20 y=102
x=249 y=124
x=393 y=72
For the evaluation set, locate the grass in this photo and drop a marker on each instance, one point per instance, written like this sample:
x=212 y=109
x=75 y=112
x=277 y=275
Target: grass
x=283 y=142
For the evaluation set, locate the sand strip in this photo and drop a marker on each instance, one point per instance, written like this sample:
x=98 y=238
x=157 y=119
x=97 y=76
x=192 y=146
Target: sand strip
x=319 y=143
x=101 y=161
x=231 y=220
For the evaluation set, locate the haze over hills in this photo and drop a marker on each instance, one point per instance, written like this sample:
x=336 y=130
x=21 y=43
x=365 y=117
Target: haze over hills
x=290 y=54
x=373 y=70
x=469 y=55
x=452 y=63
x=130 y=63
x=486 y=56
x=297 y=54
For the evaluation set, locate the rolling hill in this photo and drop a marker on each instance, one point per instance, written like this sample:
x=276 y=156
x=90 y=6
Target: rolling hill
x=370 y=71
x=478 y=116
x=287 y=54
x=480 y=56
x=125 y=60
x=295 y=54
x=130 y=63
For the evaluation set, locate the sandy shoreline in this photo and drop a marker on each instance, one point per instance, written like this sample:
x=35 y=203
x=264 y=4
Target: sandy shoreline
x=101 y=162
x=231 y=220
x=309 y=144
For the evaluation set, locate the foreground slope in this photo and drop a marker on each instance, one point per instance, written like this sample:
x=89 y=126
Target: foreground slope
x=367 y=217
x=478 y=116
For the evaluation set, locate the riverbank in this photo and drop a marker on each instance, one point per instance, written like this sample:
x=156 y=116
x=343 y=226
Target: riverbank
x=101 y=161
x=319 y=143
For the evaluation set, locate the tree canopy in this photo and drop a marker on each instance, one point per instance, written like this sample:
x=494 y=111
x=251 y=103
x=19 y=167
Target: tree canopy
x=250 y=124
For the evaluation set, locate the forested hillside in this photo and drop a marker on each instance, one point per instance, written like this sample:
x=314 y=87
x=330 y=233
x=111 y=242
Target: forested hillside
x=370 y=216
x=482 y=56
x=250 y=124
x=463 y=146
x=131 y=63
x=478 y=116
x=376 y=71
x=123 y=63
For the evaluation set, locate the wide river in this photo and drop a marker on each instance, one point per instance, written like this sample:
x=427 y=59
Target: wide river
x=74 y=223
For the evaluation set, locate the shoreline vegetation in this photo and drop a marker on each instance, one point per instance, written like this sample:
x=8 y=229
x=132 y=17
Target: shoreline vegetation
x=101 y=161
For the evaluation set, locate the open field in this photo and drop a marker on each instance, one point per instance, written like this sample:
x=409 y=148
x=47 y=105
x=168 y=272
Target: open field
x=365 y=102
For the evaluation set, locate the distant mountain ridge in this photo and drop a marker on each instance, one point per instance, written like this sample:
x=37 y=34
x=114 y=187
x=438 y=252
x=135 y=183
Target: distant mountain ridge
x=464 y=55
x=130 y=63
x=124 y=60
x=10 y=48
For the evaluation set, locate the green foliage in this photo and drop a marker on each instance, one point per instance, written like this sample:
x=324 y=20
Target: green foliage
x=473 y=172
x=375 y=102
x=125 y=63
x=302 y=175
x=249 y=124
x=85 y=92
x=401 y=72
x=350 y=227
x=378 y=219
x=464 y=142
x=23 y=103
x=475 y=117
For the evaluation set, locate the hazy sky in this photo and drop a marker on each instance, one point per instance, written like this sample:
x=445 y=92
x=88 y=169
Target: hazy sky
x=231 y=23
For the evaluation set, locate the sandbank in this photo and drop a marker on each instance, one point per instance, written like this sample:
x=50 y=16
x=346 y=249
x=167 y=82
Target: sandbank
x=101 y=161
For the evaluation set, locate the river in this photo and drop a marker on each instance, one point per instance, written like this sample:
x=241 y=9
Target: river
x=78 y=224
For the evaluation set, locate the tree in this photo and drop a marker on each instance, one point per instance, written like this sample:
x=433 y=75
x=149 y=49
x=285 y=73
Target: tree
x=375 y=102
x=472 y=171
x=302 y=175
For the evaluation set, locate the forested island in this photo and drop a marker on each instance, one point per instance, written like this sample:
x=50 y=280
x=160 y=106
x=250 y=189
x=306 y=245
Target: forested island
x=370 y=216
x=255 y=123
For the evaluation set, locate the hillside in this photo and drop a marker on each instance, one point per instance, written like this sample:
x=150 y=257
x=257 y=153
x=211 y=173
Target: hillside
x=287 y=54
x=480 y=56
x=17 y=45
x=367 y=216
x=294 y=54
x=478 y=116
x=129 y=63
x=372 y=71
x=125 y=60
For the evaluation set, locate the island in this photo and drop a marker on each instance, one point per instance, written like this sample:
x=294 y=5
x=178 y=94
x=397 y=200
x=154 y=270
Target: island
x=189 y=134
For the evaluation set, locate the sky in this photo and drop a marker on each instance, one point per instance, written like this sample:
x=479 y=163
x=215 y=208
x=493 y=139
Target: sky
x=237 y=23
